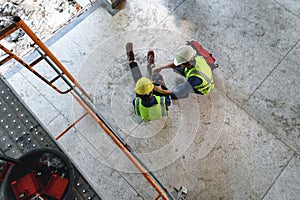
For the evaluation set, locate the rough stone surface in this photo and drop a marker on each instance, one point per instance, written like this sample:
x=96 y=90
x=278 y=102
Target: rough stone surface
x=239 y=142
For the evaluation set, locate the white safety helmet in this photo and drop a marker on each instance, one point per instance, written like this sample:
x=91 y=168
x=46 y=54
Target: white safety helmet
x=184 y=54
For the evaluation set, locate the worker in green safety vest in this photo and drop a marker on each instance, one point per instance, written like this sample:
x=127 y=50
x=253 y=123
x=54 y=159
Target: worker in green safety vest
x=148 y=105
x=194 y=67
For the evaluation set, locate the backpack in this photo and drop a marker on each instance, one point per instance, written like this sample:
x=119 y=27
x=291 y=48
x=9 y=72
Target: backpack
x=210 y=60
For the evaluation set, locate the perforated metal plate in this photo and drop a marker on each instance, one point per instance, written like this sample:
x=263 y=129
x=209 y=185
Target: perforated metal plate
x=21 y=132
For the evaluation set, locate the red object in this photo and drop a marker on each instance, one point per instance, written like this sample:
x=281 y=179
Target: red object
x=26 y=186
x=203 y=52
x=56 y=186
x=4 y=171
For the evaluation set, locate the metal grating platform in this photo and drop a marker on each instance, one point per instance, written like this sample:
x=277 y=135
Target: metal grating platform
x=21 y=132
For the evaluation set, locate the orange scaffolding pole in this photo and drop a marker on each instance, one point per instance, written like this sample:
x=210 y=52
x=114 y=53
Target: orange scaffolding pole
x=140 y=167
x=20 y=23
x=73 y=124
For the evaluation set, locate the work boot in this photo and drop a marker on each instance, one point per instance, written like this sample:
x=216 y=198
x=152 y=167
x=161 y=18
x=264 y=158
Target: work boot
x=129 y=51
x=150 y=60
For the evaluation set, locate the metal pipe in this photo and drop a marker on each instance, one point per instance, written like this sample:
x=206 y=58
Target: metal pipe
x=121 y=140
x=31 y=69
x=157 y=197
x=139 y=166
x=20 y=23
x=73 y=124
x=8 y=30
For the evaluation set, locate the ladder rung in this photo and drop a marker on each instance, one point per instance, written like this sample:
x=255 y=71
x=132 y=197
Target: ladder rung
x=53 y=80
x=8 y=30
x=36 y=61
x=8 y=58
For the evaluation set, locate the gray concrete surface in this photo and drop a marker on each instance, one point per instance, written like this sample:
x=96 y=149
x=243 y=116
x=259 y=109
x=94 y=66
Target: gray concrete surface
x=240 y=142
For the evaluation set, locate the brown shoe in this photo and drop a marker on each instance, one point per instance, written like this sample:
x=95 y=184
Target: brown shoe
x=150 y=59
x=150 y=56
x=129 y=51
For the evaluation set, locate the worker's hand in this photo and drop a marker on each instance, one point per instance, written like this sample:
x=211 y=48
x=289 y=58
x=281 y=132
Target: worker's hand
x=158 y=88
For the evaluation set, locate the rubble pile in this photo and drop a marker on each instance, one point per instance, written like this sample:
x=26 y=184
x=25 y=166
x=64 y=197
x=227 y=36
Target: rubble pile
x=44 y=17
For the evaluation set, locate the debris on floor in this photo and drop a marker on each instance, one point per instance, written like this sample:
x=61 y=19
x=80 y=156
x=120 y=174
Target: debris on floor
x=44 y=17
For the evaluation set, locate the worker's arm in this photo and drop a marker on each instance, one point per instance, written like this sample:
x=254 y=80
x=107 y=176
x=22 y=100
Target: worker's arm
x=182 y=91
x=159 y=89
x=170 y=65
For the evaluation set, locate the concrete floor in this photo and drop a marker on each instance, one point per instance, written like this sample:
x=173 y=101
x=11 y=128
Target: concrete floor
x=240 y=142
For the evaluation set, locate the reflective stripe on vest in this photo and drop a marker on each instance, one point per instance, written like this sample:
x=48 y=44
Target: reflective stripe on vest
x=202 y=71
x=136 y=107
x=154 y=112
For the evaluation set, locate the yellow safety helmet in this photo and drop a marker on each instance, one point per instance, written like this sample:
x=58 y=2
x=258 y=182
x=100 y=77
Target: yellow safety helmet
x=184 y=54
x=143 y=86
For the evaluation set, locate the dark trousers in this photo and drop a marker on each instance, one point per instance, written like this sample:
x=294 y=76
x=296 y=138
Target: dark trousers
x=135 y=71
x=156 y=78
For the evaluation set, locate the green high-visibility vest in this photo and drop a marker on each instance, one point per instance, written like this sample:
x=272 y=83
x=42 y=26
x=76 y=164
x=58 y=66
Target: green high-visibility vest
x=203 y=71
x=154 y=112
